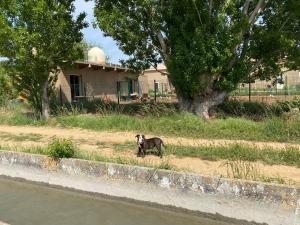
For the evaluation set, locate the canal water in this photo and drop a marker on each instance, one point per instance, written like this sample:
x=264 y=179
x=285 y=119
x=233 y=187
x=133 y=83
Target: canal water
x=23 y=203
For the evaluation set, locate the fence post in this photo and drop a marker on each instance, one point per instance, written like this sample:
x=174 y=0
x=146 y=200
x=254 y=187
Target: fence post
x=154 y=90
x=249 y=91
x=60 y=95
x=118 y=91
x=285 y=87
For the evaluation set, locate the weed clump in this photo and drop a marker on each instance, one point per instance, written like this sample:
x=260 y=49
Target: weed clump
x=61 y=148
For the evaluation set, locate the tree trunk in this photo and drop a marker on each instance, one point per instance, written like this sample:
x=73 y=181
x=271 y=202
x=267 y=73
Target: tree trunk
x=201 y=105
x=45 y=101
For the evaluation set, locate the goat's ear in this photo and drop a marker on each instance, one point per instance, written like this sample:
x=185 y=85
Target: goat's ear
x=137 y=136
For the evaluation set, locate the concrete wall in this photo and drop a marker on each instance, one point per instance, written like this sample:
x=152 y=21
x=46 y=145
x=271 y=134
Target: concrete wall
x=95 y=82
x=245 y=200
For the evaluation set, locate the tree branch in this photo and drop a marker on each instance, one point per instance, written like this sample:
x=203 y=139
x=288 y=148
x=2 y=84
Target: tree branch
x=163 y=73
x=245 y=45
x=246 y=7
x=251 y=20
x=163 y=45
x=243 y=53
x=210 y=6
x=197 y=10
x=259 y=6
x=257 y=64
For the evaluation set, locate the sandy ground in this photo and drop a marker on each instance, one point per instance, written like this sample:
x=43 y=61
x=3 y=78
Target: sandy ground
x=89 y=141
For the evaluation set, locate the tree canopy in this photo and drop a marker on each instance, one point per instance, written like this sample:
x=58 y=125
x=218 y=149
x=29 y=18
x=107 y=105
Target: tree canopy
x=6 y=89
x=208 y=46
x=38 y=37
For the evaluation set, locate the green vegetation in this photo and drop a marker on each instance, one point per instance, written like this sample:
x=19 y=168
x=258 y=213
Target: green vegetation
x=288 y=156
x=37 y=38
x=100 y=107
x=271 y=156
x=208 y=47
x=20 y=137
x=125 y=146
x=6 y=88
x=61 y=148
x=239 y=169
x=31 y=150
x=165 y=120
x=256 y=110
x=188 y=125
x=90 y=156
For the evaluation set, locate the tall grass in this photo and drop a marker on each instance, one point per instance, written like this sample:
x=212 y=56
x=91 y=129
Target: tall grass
x=165 y=120
x=246 y=170
x=98 y=106
x=240 y=169
x=188 y=125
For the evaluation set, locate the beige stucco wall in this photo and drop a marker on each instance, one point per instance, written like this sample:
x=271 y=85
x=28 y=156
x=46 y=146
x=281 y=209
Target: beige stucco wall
x=63 y=84
x=96 y=82
x=292 y=78
x=147 y=80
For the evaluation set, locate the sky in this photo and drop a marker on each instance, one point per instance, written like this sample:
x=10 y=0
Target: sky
x=96 y=36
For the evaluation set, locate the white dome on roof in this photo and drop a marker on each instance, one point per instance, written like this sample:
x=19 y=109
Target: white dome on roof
x=96 y=55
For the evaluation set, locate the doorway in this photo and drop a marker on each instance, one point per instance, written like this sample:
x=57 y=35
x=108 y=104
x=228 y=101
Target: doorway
x=75 y=83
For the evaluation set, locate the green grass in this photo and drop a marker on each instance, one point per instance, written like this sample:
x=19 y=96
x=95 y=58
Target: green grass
x=187 y=125
x=79 y=154
x=280 y=129
x=101 y=144
x=123 y=147
x=20 y=137
x=246 y=170
x=288 y=156
x=31 y=150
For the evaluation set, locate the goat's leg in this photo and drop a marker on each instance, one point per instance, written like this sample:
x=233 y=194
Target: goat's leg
x=139 y=152
x=143 y=151
x=159 y=150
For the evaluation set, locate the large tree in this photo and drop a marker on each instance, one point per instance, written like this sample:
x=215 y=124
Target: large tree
x=38 y=37
x=208 y=46
x=6 y=90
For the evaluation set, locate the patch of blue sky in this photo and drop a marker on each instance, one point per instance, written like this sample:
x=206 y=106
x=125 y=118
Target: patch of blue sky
x=95 y=35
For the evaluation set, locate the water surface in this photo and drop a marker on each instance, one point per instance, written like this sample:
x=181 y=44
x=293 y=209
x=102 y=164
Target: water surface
x=23 y=203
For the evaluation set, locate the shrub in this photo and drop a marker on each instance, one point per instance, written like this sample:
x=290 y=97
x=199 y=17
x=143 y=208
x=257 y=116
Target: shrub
x=61 y=148
x=98 y=105
x=258 y=110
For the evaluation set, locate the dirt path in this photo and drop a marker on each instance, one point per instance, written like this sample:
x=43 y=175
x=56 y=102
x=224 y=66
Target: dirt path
x=102 y=142
x=122 y=137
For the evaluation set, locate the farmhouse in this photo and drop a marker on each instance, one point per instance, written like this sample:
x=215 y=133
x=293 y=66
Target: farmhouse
x=155 y=75
x=95 y=78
